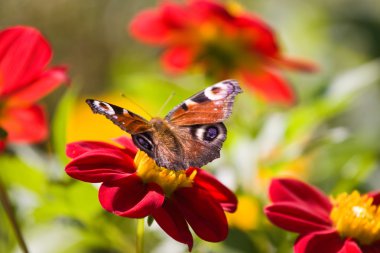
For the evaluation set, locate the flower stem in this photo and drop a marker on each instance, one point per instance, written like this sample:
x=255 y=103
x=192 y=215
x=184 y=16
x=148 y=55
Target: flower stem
x=140 y=236
x=4 y=199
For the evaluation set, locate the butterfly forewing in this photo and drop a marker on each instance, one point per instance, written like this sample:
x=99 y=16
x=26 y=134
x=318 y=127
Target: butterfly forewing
x=126 y=120
x=214 y=104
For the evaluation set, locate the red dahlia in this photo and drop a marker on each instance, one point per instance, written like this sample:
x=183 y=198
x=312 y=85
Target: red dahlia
x=24 y=79
x=349 y=223
x=134 y=186
x=220 y=40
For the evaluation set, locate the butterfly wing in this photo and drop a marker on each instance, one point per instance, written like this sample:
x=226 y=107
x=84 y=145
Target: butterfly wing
x=191 y=135
x=126 y=120
x=188 y=146
x=212 y=105
x=197 y=124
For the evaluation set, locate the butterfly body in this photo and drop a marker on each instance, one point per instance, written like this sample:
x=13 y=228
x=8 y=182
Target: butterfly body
x=191 y=135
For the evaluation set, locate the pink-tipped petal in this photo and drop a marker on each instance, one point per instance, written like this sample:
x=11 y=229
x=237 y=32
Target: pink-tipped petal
x=327 y=241
x=24 y=54
x=202 y=212
x=270 y=85
x=216 y=189
x=25 y=124
x=169 y=218
x=291 y=190
x=101 y=165
x=46 y=83
x=130 y=197
x=299 y=219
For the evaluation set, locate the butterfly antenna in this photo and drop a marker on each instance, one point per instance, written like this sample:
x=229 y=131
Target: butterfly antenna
x=136 y=104
x=166 y=102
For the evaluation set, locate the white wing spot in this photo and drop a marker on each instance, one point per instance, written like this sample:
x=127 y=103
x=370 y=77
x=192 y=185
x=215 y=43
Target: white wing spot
x=218 y=91
x=104 y=107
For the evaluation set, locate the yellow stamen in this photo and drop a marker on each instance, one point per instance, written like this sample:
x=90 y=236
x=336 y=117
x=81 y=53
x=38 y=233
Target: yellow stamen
x=169 y=180
x=354 y=216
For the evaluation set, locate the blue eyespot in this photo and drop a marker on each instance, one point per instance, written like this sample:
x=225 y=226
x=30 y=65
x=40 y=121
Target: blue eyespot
x=211 y=133
x=143 y=142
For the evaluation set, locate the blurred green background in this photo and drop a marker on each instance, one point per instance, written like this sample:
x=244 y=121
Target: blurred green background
x=330 y=138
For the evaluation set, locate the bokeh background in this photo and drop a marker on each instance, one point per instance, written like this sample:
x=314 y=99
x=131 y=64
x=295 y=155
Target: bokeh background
x=330 y=138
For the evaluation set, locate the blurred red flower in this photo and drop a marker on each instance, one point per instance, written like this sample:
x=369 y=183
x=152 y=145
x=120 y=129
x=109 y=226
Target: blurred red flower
x=222 y=41
x=134 y=186
x=348 y=223
x=24 y=79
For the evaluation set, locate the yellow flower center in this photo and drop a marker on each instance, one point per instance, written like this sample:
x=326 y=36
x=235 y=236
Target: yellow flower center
x=169 y=180
x=356 y=217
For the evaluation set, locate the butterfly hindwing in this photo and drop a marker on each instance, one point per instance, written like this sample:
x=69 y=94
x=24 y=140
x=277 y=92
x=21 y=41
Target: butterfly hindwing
x=191 y=146
x=214 y=104
x=126 y=120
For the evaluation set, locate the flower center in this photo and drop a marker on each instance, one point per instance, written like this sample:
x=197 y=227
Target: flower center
x=356 y=217
x=168 y=180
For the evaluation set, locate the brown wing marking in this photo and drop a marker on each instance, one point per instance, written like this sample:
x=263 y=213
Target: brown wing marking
x=214 y=104
x=126 y=120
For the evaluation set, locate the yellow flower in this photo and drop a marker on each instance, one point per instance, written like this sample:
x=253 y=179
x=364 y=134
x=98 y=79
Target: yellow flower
x=246 y=215
x=83 y=124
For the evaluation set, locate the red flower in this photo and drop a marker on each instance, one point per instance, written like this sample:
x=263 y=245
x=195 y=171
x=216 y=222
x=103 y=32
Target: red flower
x=24 y=79
x=133 y=186
x=347 y=224
x=221 y=41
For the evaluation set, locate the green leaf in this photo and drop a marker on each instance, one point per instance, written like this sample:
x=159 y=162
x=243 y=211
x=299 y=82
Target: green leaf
x=16 y=172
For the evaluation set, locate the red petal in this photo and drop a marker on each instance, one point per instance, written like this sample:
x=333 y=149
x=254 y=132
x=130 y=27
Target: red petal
x=270 y=85
x=45 y=84
x=101 y=165
x=170 y=220
x=148 y=27
x=325 y=241
x=373 y=248
x=2 y=145
x=130 y=197
x=299 y=219
x=208 y=10
x=129 y=148
x=76 y=149
x=376 y=197
x=25 y=124
x=24 y=53
x=177 y=59
x=217 y=190
x=297 y=64
x=301 y=194
x=203 y=213
x=350 y=247
x=260 y=36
